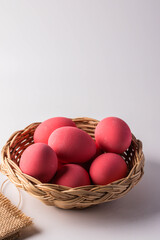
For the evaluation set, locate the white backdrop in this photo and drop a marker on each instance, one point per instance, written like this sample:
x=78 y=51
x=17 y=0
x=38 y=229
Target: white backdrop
x=85 y=58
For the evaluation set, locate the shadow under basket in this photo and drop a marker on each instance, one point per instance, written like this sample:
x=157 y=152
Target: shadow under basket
x=65 y=197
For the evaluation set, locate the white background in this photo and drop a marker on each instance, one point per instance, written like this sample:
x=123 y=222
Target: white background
x=85 y=58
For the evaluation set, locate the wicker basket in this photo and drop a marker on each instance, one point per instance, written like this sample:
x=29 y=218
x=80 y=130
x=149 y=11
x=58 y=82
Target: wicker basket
x=65 y=197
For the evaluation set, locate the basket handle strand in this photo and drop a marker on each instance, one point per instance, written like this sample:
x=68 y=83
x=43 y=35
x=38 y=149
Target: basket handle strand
x=2 y=188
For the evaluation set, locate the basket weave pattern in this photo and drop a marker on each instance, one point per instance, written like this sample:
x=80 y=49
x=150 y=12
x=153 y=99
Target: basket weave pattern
x=65 y=197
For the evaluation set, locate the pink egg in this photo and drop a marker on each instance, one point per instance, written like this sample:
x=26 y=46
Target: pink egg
x=71 y=175
x=72 y=145
x=107 y=168
x=112 y=134
x=44 y=130
x=39 y=161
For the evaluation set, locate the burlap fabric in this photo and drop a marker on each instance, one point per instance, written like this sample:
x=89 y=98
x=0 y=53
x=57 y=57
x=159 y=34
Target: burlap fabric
x=12 y=220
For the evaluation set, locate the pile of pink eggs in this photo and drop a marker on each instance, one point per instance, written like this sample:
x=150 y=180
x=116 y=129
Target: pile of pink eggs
x=66 y=155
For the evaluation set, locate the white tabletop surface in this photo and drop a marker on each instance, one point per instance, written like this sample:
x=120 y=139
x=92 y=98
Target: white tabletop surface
x=85 y=58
